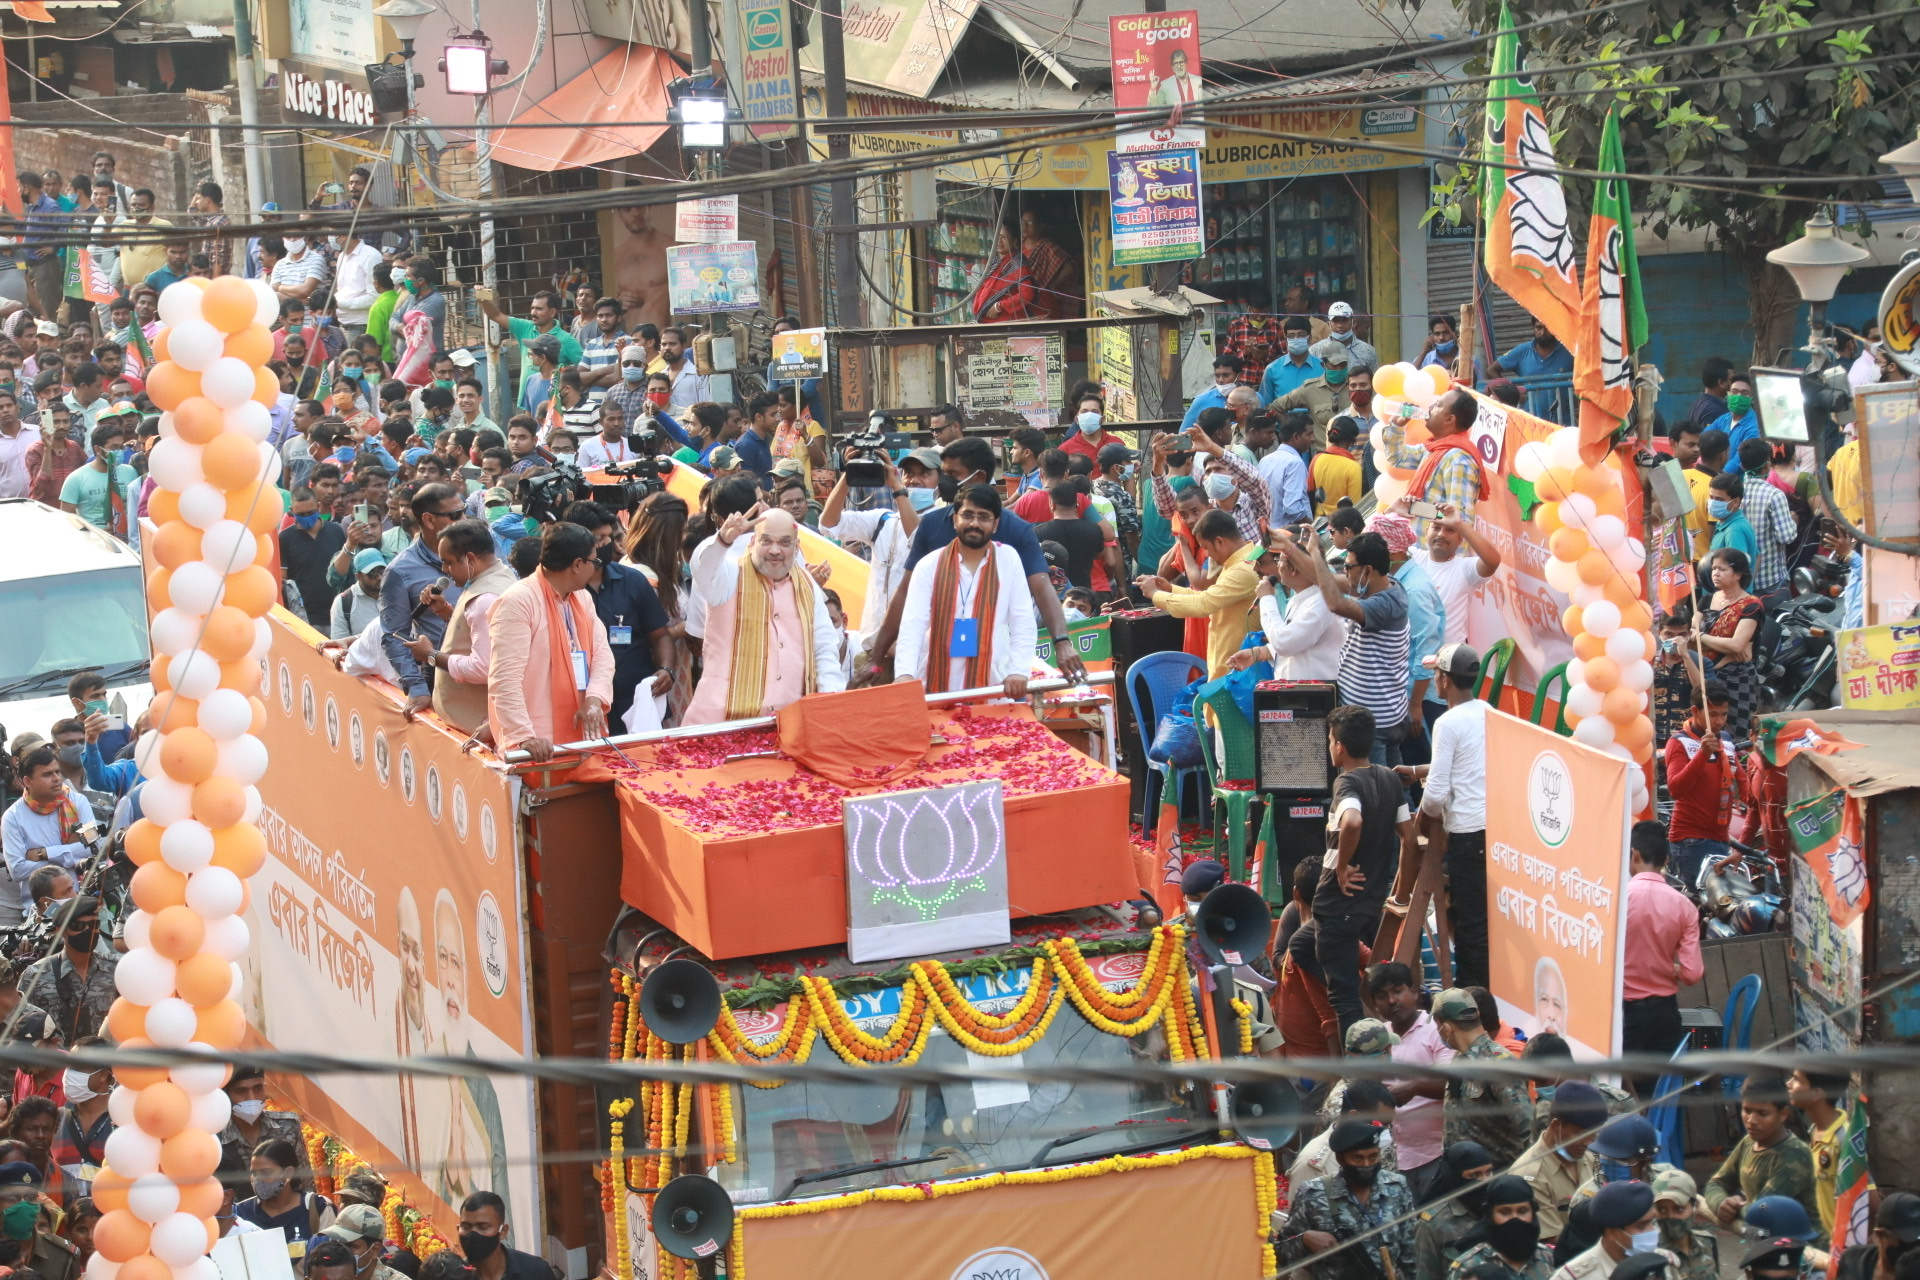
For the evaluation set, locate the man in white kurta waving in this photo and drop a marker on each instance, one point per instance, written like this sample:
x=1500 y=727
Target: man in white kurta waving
x=969 y=619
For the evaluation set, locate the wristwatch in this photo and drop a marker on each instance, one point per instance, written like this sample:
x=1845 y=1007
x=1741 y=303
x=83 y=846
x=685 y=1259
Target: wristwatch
x=898 y=494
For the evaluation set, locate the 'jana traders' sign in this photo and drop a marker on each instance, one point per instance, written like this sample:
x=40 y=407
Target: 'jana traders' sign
x=1155 y=200
x=766 y=73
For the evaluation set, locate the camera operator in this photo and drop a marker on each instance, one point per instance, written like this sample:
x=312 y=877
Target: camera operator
x=75 y=984
x=45 y=825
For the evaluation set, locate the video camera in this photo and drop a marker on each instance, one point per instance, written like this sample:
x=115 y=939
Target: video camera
x=545 y=495
x=639 y=480
x=863 y=459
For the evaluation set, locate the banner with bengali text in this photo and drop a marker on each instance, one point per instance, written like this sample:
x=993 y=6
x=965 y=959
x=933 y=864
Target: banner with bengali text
x=1880 y=667
x=1556 y=884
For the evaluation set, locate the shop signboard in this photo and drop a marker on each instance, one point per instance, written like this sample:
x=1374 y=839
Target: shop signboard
x=1155 y=204
x=1880 y=667
x=1556 y=884
x=902 y=45
x=707 y=220
x=766 y=72
x=325 y=97
x=1156 y=63
x=1887 y=421
x=333 y=33
x=1116 y=372
x=1015 y=374
x=713 y=277
x=799 y=354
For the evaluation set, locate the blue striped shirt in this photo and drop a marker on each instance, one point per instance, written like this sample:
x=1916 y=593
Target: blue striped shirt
x=1373 y=663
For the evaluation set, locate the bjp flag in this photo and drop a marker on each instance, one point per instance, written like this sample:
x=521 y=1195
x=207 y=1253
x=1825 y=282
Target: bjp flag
x=31 y=11
x=1613 y=319
x=1529 y=249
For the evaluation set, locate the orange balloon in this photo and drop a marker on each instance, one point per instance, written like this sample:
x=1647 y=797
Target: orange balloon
x=138 y=1077
x=1637 y=617
x=252 y=590
x=176 y=543
x=169 y=386
x=266 y=387
x=158 y=596
x=1573 y=620
x=1602 y=674
x=1593 y=565
x=229 y=633
x=176 y=933
x=231 y=461
x=264 y=518
x=243 y=674
x=143 y=846
x=163 y=506
x=1594 y=481
x=1620 y=705
x=1568 y=544
x=1642 y=754
x=252 y=345
x=125 y=1019
x=228 y=305
x=1556 y=485
x=212 y=1225
x=162 y=1109
x=157 y=885
x=161 y=344
x=199 y=282
x=223 y=1026
x=259 y=715
x=263 y=548
x=188 y=754
x=191 y=1154
x=144 y=1267
x=1623 y=591
x=1637 y=732
x=119 y=1236
x=170 y=711
x=202 y=1198
x=110 y=1190
x=203 y=979
x=1442 y=380
x=1612 y=502
x=198 y=420
x=1546 y=517
x=219 y=802
x=1587 y=646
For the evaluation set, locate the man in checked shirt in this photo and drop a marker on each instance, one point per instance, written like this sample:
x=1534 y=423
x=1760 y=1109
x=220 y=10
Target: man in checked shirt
x=1448 y=468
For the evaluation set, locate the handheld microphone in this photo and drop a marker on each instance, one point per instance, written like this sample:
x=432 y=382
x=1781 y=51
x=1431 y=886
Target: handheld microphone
x=440 y=586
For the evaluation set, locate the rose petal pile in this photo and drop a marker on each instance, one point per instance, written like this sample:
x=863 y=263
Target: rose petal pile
x=1599 y=567
x=1401 y=388
x=216 y=510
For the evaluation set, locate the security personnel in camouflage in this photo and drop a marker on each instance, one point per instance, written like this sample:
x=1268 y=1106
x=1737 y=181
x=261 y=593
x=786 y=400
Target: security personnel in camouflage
x=1675 y=1199
x=1359 y=1200
x=23 y=1219
x=1455 y=1203
x=1506 y=1242
x=1494 y=1112
x=1626 y=1147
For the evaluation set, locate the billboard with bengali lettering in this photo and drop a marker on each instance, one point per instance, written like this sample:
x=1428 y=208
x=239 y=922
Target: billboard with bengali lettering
x=1155 y=202
x=1880 y=667
x=388 y=922
x=713 y=277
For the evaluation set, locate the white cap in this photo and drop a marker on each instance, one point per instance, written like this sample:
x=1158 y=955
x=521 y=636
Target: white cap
x=462 y=357
x=48 y=327
x=1340 y=311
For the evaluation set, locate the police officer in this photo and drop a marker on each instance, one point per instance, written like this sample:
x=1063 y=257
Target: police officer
x=1492 y=1112
x=1506 y=1242
x=1359 y=1199
x=361 y=1228
x=1626 y=1147
x=1642 y=1266
x=1559 y=1161
x=1775 y=1259
x=1622 y=1212
x=1446 y=1216
x=23 y=1220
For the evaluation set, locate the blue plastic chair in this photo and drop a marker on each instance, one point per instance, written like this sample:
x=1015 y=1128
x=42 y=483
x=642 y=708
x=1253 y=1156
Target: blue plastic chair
x=1153 y=688
x=1665 y=1114
x=1737 y=1025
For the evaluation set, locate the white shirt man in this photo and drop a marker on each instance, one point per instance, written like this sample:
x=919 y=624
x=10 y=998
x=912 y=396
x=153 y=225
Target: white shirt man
x=355 y=293
x=882 y=531
x=1456 y=783
x=1013 y=626
x=1456 y=558
x=598 y=451
x=1304 y=637
x=15 y=439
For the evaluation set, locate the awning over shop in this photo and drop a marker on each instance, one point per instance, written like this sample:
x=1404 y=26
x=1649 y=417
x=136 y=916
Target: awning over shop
x=1887 y=759
x=628 y=84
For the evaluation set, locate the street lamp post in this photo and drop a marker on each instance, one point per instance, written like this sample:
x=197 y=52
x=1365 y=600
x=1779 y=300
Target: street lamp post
x=1817 y=261
x=405 y=17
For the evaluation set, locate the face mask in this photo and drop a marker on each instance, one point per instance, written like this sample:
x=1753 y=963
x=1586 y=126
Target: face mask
x=1445 y=348
x=1717 y=509
x=1347 y=337
x=249 y=1111
x=1615 y=1171
x=1643 y=1241
x=444 y=382
x=659 y=399
x=1737 y=405
x=295 y=244
x=307 y=521
x=1219 y=486
x=1566 y=1157
x=1089 y=424
x=476 y=1247
x=1297 y=346
x=1360 y=1175
x=1335 y=377
x=76 y=1086
x=71 y=755
x=268 y=1188
x=83 y=939
x=495 y=513
x=607 y=554
x=1673 y=1231
x=1129 y=471
x=1514 y=1238
x=1474 y=1198
x=18 y=1221
x=350 y=372
x=922 y=499
x=633 y=374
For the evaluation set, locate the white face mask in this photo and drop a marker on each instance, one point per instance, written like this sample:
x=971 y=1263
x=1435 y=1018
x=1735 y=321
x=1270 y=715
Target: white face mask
x=295 y=243
x=76 y=1086
x=249 y=1110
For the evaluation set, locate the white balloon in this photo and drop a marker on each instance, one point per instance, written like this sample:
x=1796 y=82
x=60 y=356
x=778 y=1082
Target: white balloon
x=1563 y=447
x=251 y=420
x=1620 y=750
x=163 y=800
x=99 y=1267
x=226 y=713
x=228 y=938
x=175 y=464
x=237 y=988
x=1385 y=407
x=1419 y=389
x=214 y=892
x=1562 y=576
x=153 y=1197
x=271 y=463
x=1626 y=645
x=132 y=1152
x=1594 y=731
x=262 y=639
x=228 y=382
x=229 y=545
x=195 y=344
x=1628 y=557
x=193 y=674
x=1579 y=511
x=210 y=1111
x=1389 y=489
x=180 y=305
x=167 y=430
x=266 y=303
x=200 y=1269
x=171 y=1023
x=143 y=976
x=1531 y=462
x=174 y=630
x=244 y=759
x=254 y=806
x=199 y=1078
x=1582 y=701
x=148 y=743
x=1576 y=673
x=1601 y=618
x=196 y=587
x=1377 y=433
x=1607 y=532
x=178 y=1240
x=138 y=931
x=202 y=505
x=1585 y=594
x=1637 y=676
x=120 y=1100
x=186 y=846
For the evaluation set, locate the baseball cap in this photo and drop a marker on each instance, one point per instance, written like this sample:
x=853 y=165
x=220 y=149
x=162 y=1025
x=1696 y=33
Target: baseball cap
x=1460 y=661
x=1369 y=1038
x=1620 y=1204
x=1579 y=1103
x=1676 y=1186
x=497 y=496
x=789 y=467
x=357 y=1222
x=271 y=206
x=120 y=409
x=413 y=455
x=928 y=458
x=1112 y=455
x=723 y=459
x=1779 y=1254
x=1453 y=1004
x=1340 y=311
x=1900 y=1215
x=1779 y=1218
x=1330 y=351
x=462 y=357
x=367 y=560
x=48 y=327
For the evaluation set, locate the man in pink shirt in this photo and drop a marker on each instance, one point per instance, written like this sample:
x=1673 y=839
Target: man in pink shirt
x=1663 y=948
x=1419 y=1121
x=550 y=672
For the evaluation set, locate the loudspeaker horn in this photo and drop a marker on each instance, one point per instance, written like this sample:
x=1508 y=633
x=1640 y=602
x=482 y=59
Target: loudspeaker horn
x=680 y=1001
x=692 y=1217
x=1266 y=1113
x=1233 y=924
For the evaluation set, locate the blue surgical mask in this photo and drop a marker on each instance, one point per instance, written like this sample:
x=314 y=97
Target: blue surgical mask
x=1219 y=487
x=1347 y=337
x=1089 y=424
x=307 y=521
x=633 y=374
x=1718 y=509
x=1445 y=348
x=1644 y=1241
x=1129 y=471
x=922 y=499
x=1615 y=1171
x=1297 y=346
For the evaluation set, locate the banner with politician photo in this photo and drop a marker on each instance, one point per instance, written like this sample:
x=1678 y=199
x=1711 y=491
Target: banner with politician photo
x=704 y=278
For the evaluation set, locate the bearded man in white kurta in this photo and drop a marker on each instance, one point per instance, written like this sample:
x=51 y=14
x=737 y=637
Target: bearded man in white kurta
x=968 y=621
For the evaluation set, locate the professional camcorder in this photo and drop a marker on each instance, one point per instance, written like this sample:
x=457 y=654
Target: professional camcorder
x=863 y=459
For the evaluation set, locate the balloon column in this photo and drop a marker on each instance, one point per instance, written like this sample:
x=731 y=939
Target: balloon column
x=196 y=845
x=1598 y=565
x=1399 y=388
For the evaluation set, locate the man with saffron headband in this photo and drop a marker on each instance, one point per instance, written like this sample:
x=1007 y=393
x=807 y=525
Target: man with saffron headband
x=1448 y=468
x=550 y=669
x=768 y=638
x=969 y=617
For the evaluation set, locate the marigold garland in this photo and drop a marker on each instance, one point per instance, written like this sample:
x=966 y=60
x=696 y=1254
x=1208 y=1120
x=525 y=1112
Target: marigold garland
x=617 y=1184
x=1243 y=1018
x=1266 y=1183
x=333 y=1162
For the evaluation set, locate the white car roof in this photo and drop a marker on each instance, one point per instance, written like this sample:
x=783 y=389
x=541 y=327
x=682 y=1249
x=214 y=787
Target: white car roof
x=42 y=541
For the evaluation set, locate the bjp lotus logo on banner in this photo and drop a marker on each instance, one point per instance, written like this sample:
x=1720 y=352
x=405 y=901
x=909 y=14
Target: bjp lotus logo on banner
x=1000 y=1264
x=1550 y=799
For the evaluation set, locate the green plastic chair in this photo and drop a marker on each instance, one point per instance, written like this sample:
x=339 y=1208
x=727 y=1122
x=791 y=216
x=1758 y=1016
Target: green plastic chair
x=1544 y=690
x=1493 y=669
x=1232 y=808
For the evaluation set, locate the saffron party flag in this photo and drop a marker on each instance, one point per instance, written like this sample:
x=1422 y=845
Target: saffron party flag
x=1529 y=249
x=1613 y=319
x=31 y=11
x=1852 y=1214
x=85 y=279
x=1781 y=742
x=1827 y=830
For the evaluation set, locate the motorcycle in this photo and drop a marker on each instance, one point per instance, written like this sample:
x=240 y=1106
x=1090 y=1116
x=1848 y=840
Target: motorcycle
x=1741 y=895
x=1801 y=669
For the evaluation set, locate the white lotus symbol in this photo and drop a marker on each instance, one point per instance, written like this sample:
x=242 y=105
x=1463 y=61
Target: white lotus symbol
x=923 y=851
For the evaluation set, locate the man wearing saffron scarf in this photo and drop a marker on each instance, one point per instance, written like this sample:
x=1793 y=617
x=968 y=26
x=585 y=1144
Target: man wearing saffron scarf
x=969 y=620
x=41 y=828
x=550 y=672
x=768 y=638
x=1449 y=471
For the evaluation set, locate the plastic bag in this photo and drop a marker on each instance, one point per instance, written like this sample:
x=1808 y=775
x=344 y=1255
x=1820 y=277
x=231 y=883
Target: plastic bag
x=1176 y=743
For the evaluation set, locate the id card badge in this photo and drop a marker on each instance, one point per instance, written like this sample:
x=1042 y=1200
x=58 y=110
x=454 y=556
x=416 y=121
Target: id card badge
x=966 y=638
x=579 y=670
x=619 y=635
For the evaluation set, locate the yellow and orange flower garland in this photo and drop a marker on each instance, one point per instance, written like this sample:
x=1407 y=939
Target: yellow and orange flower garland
x=333 y=1162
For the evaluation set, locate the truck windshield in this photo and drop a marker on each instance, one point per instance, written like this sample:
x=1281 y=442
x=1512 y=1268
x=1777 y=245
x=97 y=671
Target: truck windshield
x=806 y=1128
x=59 y=622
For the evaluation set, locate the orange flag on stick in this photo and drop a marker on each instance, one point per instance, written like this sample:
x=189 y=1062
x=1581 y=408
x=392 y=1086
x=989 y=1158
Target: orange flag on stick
x=1613 y=319
x=31 y=11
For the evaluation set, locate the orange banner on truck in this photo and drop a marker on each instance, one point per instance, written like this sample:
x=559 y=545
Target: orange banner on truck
x=1556 y=884
x=388 y=920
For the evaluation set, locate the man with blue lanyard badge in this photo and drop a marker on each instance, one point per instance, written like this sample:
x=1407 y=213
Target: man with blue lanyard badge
x=636 y=623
